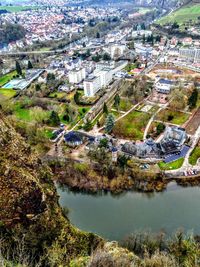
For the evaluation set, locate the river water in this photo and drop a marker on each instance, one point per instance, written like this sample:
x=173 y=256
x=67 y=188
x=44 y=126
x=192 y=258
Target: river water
x=115 y=217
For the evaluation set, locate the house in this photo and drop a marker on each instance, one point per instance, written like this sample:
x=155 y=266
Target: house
x=173 y=140
x=73 y=139
x=147 y=149
x=163 y=86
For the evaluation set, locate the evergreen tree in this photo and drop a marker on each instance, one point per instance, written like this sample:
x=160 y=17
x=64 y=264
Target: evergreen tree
x=110 y=123
x=192 y=101
x=30 y=66
x=18 y=69
x=98 y=35
x=37 y=87
x=105 y=108
x=77 y=97
x=54 y=118
x=143 y=39
x=117 y=101
x=106 y=57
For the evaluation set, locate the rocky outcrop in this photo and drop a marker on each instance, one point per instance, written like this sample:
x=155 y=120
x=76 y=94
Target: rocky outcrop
x=29 y=209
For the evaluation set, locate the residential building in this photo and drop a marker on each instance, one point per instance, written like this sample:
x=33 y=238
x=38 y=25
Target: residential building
x=190 y=54
x=76 y=76
x=91 y=85
x=163 y=86
x=173 y=140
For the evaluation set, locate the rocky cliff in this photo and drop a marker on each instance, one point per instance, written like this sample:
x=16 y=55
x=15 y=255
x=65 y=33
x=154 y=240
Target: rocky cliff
x=29 y=209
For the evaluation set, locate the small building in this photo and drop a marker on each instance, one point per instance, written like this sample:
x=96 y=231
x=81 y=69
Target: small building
x=163 y=86
x=73 y=139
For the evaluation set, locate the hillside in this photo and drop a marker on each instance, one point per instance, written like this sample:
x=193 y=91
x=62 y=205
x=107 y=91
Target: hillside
x=29 y=210
x=187 y=13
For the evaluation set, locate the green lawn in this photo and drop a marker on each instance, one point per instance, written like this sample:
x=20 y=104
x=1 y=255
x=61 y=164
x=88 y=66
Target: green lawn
x=6 y=78
x=194 y=156
x=31 y=114
x=172 y=165
x=124 y=105
x=48 y=133
x=144 y=10
x=58 y=95
x=17 y=8
x=132 y=126
x=8 y=93
x=174 y=117
x=182 y=15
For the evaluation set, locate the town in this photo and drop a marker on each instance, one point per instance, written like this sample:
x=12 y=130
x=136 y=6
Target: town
x=100 y=133
x=126 y=91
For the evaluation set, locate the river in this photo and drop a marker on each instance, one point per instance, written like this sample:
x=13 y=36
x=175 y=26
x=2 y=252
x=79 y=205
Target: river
x=115 y=217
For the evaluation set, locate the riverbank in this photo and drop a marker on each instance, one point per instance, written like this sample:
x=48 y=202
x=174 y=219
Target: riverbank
x=92 y=178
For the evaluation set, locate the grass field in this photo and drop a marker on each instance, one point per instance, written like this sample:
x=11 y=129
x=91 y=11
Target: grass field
x=124 y=105
x=31 y=114
x=182 y=15
x=174 y=117
x=6 y=78
x=8 y=93
x=194 y=156
x=172 y=165
x=17 y=8
x=132 y=126
x=144 y=10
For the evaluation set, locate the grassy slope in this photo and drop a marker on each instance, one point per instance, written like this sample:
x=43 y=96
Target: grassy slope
x=194 y=156
x=184 y=14
x=26 y=192
x=16 y=8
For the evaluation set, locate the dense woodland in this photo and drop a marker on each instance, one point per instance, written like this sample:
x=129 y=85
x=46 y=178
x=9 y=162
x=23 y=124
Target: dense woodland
x=10 y=33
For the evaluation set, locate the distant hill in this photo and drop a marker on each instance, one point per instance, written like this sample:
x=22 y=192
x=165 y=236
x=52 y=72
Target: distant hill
x=188 y=12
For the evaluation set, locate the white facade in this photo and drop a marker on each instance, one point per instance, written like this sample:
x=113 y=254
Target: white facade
x=77 y=76
x=91 y=86
x=117 y=50
x=163 y=86
x=190 y=54
x=94 y=84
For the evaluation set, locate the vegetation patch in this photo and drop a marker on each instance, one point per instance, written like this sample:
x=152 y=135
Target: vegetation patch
x=194 y=156
x=8 y=93
x=172 y=165
x=125 y=104
x=7 y=77
x=184 y=14
x=17 y=8
x=132 y=126
x=171 y=116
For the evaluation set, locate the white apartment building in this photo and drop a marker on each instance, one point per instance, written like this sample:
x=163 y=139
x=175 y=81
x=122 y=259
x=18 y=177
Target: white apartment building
x=190 y=54
x=76 y=76
x=91 y=86
x=117 y=50
x=100 y=79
